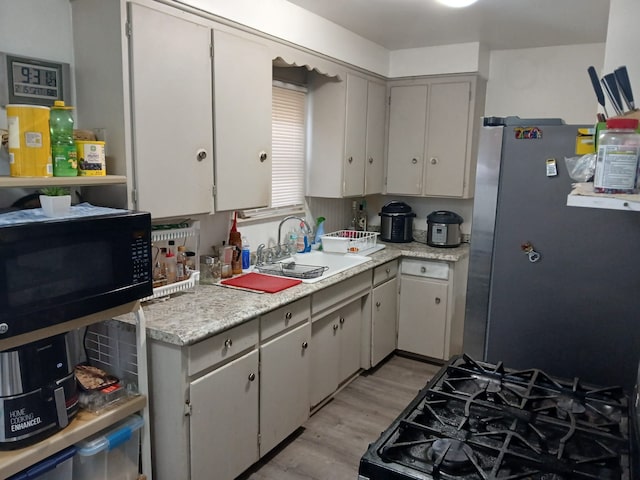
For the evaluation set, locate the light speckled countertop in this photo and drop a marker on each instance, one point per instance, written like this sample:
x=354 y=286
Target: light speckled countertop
x=189 y=317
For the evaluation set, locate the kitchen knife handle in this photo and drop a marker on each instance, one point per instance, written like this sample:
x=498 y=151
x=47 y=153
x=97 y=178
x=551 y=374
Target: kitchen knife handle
x=622 y=77
x=611 y=86
x=595 y=81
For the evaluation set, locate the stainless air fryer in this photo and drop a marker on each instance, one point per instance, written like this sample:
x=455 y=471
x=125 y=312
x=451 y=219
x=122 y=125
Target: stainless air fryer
x=396 y=222
x=38 y=391
x=443 y=229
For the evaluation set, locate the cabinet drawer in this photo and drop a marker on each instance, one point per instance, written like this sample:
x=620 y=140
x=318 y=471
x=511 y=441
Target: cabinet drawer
x=422 y=268
x=330 y=298
x=285 y=317
x=385 y=272
x=222 y=347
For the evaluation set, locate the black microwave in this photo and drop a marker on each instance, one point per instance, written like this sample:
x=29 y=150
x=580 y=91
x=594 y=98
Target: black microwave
x=57 y=270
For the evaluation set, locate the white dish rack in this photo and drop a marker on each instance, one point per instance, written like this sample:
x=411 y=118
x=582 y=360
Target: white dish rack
x=349 y=241
x=159 y=236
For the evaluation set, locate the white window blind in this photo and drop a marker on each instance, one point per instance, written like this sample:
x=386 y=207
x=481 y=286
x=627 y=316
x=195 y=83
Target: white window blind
x=288 y=146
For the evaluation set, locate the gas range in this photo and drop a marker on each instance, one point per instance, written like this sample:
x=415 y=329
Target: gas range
x=476 y=420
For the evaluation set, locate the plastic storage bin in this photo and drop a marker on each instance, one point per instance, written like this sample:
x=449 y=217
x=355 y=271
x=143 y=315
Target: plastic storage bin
x=56 y=467
x=111 y=454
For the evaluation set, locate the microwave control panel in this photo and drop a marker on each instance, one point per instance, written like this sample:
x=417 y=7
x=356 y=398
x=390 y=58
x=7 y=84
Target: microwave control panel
x=141 y=258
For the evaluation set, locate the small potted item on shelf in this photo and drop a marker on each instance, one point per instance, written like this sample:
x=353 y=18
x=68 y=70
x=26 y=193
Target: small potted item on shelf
x=55 y=201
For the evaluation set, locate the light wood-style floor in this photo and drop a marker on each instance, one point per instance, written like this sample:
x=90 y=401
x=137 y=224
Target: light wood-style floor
x=331 y=442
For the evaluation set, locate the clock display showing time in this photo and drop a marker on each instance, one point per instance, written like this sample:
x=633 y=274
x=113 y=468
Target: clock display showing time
x=35 y=81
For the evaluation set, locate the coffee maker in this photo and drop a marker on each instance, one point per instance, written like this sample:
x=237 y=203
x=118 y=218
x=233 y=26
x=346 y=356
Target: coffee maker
x=38 y=391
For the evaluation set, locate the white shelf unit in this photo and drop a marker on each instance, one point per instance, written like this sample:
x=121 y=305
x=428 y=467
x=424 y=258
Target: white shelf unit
x=582 y=195
x=85 y=424
x=162 y=236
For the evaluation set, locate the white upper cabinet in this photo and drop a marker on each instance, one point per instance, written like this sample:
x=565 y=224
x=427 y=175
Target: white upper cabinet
x=432 y=136
x=172 y=113
x=242 y=104
x=347 y=136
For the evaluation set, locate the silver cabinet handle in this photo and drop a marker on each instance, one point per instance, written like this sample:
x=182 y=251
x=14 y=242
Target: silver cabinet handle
x=414 y=160
x=288 y=315
x=252 y=377
x=341 y=320
x=4 y=328
x=305 y=345
x=335 y=327
x=434 y=160
x=378 y=304
x=201 y=155
x=370 y=160
x=350 y=159
x=228 y=342
x=263 y=156
x=437 y=300
x=423 y=269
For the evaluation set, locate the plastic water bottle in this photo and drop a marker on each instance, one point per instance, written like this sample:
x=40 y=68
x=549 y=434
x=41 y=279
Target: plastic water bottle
x=64 y=154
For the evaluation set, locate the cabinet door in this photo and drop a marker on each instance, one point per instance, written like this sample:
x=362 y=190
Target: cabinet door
x=242 y=92
x=407 y=126
x=355 y=136
x=172 y=119
x=350 y=339
x=448 y=124
x=284 y=386
x=324 y=358
x=422 y=316
x=224 y=420
x=384 y=320
x=376 y=110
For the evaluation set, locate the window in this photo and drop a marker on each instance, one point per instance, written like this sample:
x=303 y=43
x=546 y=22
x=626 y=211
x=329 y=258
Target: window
x=288 y=123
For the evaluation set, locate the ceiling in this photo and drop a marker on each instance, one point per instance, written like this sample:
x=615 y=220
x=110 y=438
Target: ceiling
x=499 y=24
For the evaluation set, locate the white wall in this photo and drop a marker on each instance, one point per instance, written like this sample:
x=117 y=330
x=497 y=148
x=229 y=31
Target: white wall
x=458 y=58
x=623 y=38
x=544 y=82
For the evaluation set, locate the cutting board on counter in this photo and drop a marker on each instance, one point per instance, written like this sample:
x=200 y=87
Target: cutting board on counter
x=261 y=283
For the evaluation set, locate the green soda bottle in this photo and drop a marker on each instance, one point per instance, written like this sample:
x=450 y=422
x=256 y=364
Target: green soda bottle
x=64 y=154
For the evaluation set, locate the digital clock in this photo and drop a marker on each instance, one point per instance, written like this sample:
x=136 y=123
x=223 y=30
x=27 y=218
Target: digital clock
x=32 y=81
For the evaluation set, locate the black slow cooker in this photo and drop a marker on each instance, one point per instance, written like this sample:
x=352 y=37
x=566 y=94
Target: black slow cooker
x=443 y=229
x=396 y=222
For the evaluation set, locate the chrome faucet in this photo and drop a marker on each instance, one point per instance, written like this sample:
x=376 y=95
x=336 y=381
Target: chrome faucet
x=291 y=217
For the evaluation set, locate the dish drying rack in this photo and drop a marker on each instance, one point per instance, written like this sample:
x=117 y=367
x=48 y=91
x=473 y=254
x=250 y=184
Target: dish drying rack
x=349 y=241
x=158 y=236
x=292 y=269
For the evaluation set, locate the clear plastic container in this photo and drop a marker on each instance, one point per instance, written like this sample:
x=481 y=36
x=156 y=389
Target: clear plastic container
x=111 y=454
x=56 y=467
x=617 y=160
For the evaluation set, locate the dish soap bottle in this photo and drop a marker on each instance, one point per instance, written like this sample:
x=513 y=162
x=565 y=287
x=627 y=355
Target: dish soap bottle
x=317 y=241
x=246 y=254
x=300 y=241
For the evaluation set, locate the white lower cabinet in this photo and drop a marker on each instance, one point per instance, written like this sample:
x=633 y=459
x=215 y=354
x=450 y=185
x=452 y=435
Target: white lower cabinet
x=335 y=349
x=224 y=420
x=384 y=320
x=284 y=385
x=431 y=311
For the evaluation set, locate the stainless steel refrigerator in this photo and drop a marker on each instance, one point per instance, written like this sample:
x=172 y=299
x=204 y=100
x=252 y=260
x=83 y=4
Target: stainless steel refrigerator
x=575 y=312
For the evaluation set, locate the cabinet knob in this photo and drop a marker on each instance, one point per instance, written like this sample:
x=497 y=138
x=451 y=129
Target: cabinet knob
x=201 y=155
x=4 y=328
x=370 y=160
x=378 y=304
x=434 y=160
x=414 y=160
x=341 y=320
x=335 y=327
x=388 y=270
x=350 y=159
x=288 y=315
x=228 y=342
x=437 y=300
x=252 y=377
x=305 y=345
x=263 y=156
x=423 y=269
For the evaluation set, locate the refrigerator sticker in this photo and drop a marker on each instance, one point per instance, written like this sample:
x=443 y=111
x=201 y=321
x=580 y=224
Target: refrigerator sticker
x=528 y=133
x=552 y=168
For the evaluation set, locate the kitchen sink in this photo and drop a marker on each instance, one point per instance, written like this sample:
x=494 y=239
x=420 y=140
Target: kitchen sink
x=333 y=263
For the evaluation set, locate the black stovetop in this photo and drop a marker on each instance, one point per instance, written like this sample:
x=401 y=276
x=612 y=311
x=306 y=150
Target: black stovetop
x=475 y=420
